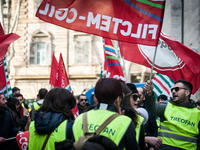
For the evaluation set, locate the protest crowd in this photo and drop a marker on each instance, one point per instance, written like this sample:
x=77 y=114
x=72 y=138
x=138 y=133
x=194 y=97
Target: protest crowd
x=131 y=114
x=120 y=115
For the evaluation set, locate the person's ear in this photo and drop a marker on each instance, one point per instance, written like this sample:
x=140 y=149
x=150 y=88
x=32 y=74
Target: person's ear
x=117 y=102
x=187 y=92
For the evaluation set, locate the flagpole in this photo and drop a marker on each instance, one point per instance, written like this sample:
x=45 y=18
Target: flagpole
x=124 y=68
x=4 y=59
x=154 y=58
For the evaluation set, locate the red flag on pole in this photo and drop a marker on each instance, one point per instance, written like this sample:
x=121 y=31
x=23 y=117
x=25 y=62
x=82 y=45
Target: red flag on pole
x=54 y=72
x=2 y=76
x=123 y=20
x=5 y=41
x=112 y=65
x=63 y=80
x=172 y=59
x=22 y=140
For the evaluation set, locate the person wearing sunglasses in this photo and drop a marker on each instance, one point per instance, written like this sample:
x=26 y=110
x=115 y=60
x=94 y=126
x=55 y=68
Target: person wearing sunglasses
x=82 y=103
x=179 y=118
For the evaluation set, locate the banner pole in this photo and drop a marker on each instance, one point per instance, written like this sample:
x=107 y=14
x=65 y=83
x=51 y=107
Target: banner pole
x=124 y=68
x=4 y=59
x=154 y=58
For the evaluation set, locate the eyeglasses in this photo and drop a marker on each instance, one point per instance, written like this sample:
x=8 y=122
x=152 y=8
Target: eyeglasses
x=177 y=89
x=86 y=100
x=135 y=97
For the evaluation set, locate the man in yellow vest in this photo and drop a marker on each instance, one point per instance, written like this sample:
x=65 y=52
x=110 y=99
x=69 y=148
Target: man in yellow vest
x=179 y=127
x=121 y=130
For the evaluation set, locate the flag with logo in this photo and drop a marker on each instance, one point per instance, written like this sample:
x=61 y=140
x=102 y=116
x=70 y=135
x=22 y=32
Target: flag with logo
x=112 y=65
x=162 y=85
x=22 y=140
x=5 y=41
x=135 y=21
x=63 y=80
x=4 y=79
x=172 y=59
x=54 y=72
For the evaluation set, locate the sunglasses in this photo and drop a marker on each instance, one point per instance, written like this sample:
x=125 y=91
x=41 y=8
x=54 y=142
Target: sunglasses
x=135 y=97
x=177 y=89
x=86 y=100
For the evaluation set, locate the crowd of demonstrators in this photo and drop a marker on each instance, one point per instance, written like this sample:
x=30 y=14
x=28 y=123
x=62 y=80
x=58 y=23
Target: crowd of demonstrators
x=39 y=101
x=7 y=127
x=53 y=119
x=179 y=118
x=54 y=127
x=108 y=92
x=82 y=103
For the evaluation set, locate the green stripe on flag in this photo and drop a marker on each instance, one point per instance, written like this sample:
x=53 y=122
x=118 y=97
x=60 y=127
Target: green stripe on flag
x=112 y=57
x=155 y=86
x=162 y=77
x=151 y=4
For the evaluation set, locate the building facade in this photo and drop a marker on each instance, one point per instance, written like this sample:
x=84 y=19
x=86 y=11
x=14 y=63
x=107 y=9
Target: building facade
x=30 y=56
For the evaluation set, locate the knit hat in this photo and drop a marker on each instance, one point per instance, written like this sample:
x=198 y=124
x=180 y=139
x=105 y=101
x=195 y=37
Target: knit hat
x=132 y=87
x=162 y=96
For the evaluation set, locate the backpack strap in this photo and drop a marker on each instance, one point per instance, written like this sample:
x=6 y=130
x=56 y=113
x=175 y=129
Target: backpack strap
x=101 y=127
x=109 y=120
x=45 y=142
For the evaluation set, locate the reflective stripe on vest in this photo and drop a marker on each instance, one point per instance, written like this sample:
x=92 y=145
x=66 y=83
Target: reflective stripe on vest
x=36 y=105
x=158 y=122
x=36 y=140
x=115 y=130
x=137 y=129
x=180 y=129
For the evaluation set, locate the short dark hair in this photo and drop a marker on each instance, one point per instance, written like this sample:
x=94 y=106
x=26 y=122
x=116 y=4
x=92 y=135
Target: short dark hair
x=107 y=90
x=162 y=96
x=42 y=93
x=15 y=89
x=81 y=95
x=18 y=95
x=186 y=84
x=1 y=94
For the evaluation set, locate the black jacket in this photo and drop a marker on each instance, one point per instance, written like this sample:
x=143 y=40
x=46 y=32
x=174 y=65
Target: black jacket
x=81 y=109
x=22 y=121
x=7 y=129
x=53 y=120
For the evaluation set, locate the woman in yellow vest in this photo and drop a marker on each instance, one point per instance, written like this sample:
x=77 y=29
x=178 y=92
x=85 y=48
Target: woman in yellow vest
x=127 y=105
x=53 y=119
x=121 y=130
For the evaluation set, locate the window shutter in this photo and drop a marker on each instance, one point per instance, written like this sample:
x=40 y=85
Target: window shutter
x=48 y=53
x=32 y=56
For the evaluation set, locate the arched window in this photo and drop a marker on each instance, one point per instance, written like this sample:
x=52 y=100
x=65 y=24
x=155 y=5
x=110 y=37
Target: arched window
x=40 y=49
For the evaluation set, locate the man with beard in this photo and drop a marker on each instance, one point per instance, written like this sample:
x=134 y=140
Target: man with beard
x=82 y=103
x=7 y=126
x=179 y=127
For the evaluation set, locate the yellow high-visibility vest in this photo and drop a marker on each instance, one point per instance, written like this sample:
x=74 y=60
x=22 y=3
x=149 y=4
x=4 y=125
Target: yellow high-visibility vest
x=180 y=129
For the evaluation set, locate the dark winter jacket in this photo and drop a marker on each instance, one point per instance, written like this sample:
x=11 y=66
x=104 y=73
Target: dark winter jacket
x=22 y=121
x=52 y=121
x=7 y=129
x=159 y=109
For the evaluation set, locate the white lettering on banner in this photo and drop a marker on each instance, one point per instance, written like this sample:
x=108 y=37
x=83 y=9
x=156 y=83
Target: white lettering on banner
x=63 y=83
x=115 y=76
x=102 y=22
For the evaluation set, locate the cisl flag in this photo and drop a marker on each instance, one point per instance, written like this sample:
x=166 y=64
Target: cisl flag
x=172 y=59
x=162 y=85
x=112 y=65
x=135 y=21
x=54 y=72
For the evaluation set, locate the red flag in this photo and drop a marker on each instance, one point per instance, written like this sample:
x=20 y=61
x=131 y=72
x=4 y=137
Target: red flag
x=75 y=111
x=172 y=59
x=22 y=140
x=54 y=72
x=63 y=80
x=126 y=20
x=112 y=65
x=2 y=76
x=5 y=41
